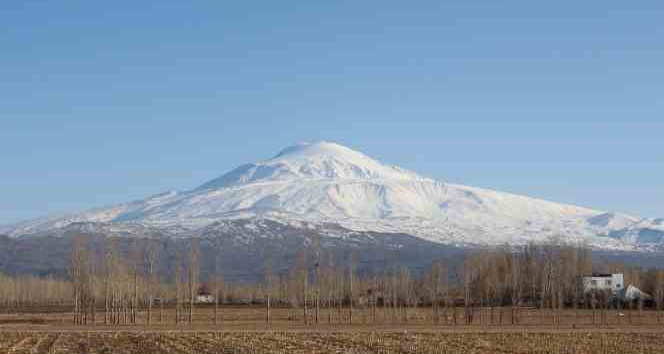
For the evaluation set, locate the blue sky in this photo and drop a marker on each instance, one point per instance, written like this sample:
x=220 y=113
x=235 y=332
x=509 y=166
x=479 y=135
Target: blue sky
x=103 y=103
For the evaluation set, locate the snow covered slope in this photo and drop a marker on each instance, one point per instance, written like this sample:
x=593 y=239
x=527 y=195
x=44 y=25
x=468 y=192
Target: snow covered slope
x=326 y=183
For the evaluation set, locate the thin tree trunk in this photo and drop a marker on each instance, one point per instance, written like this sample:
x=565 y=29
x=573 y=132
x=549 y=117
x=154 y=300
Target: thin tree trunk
x=135 y=304
x=267 y=310
x=350 y=302
x=304 y=295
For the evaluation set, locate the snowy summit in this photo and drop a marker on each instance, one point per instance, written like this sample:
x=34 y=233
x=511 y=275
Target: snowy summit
x=326 y=183
x=306 y=161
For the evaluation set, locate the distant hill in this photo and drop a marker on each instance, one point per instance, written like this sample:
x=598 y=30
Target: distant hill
x=244 y=252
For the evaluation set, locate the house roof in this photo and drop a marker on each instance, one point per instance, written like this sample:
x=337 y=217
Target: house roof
x=631 y=292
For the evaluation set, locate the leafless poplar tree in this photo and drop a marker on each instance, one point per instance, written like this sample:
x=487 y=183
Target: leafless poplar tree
x=150 y=264
x=351 y=280
x=178 y=284
x=192 y=276
x=217 y=278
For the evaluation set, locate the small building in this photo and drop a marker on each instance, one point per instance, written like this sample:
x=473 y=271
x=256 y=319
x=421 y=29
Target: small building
x=602 y=282
x=203 y=295
x=204 y=298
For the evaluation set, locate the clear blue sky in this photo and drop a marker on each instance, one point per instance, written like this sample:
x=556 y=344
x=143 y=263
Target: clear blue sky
x=105 y=102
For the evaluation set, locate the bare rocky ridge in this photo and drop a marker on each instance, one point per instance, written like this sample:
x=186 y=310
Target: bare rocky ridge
x=246 y=247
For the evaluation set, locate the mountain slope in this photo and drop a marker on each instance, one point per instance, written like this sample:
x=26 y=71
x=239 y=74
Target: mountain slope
x=315 y=184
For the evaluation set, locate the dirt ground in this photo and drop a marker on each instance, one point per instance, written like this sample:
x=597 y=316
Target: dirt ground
x=252 y=316
x=244 y=330
x=343 y=341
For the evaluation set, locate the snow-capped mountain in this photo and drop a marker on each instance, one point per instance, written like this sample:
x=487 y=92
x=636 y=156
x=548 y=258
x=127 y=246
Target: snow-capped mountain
x=312 y=185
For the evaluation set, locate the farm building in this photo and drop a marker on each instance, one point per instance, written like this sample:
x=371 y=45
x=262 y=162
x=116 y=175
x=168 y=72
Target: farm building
x=613 y=283
x=602 y=282
x=203 y=295
x=204 y=298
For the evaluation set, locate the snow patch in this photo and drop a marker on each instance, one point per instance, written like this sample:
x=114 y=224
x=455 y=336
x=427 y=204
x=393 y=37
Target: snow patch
x=314 y=184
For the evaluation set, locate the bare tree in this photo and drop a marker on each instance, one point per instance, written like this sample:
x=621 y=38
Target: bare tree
x=305 y=286
x=316 y=248
x=404 y=291
x=269 y=284
x=517 y=286
x=351 y=293
x=435 y=273
x=82 y=279
x=192 y=276
x=135 y=265
x=77 y=273
x=178 y=284
x=150 y=263
x=659 y=290
x=468 y=277
x=217 y=278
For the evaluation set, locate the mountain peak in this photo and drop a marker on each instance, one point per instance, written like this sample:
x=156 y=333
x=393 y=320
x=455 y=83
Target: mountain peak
x=323 y=152
x=312 y=161
x=323 y=183
x=318 y=149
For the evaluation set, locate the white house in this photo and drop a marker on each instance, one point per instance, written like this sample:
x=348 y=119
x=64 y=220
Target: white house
x=602 y=282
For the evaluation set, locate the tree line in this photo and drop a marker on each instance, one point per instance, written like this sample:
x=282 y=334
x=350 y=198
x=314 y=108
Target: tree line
x=113 y=286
